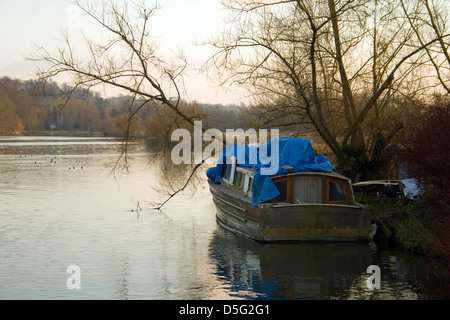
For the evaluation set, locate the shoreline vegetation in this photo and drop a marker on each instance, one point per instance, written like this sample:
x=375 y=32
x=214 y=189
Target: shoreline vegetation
x=415 y=228
x=57 y=133
x=48 y=108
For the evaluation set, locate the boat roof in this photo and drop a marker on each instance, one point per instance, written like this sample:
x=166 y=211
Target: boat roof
x=252 y=171
x=287 y=156
x=313 y=173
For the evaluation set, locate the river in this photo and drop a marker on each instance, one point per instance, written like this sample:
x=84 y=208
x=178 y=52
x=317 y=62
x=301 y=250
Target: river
x=60 y=206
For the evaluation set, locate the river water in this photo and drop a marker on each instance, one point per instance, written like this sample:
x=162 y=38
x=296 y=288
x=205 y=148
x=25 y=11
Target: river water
x=60 y=206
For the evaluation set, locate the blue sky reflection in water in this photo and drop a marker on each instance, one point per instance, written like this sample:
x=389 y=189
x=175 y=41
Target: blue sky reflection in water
x=59 y=206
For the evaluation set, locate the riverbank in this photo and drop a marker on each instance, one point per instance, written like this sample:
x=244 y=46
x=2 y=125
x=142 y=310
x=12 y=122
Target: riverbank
x=417 y=229
x=57 y=134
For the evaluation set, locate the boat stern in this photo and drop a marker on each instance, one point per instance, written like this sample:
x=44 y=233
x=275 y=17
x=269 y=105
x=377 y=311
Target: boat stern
x=318 y=223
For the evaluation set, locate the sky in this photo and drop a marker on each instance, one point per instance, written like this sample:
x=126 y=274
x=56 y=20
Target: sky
x=179 y=23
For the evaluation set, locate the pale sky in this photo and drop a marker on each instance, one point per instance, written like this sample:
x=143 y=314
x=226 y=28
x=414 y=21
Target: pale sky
x=179 y=22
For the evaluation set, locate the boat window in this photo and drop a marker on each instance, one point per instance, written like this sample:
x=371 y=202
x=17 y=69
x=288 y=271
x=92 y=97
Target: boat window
x=250 y=186
x=282 y=186
x=239 y=180
x=243 y=179
x=229 y=169
x=237 y=177
x=336 y=192
x=241 y=183
x=227 y=172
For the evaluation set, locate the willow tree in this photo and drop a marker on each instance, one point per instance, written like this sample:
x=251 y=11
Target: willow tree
x=347 y=70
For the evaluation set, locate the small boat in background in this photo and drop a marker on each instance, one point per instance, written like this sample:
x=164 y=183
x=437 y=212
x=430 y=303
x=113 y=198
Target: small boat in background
x=306 y=200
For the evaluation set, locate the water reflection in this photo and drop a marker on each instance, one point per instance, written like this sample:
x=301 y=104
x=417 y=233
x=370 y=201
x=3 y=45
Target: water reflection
x=312 y=271
x=287 y=271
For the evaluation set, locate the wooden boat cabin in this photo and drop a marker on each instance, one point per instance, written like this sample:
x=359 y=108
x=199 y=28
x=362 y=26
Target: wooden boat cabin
x=311 y=206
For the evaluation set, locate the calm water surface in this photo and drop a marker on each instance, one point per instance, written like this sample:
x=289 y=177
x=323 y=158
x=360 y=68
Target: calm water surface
x=60 y=206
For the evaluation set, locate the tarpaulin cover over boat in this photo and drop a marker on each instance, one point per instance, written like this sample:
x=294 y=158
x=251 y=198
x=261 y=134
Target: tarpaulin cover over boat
x=294 y=152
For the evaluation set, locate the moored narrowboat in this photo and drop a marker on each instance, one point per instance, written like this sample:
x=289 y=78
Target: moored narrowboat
x=305 y=200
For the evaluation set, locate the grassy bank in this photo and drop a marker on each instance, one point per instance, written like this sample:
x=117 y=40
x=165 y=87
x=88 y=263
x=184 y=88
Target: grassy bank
x=419 y=230
x=414 y=227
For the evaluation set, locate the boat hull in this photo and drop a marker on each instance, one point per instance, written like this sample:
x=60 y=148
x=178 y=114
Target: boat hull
x=273 y=222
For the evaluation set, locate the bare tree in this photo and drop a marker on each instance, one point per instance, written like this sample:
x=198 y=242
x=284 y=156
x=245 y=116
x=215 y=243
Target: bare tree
x=346 y=69
x=124 y=57
x=429 y=19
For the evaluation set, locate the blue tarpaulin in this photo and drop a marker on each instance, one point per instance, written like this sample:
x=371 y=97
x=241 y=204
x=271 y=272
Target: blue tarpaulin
x=294 y=152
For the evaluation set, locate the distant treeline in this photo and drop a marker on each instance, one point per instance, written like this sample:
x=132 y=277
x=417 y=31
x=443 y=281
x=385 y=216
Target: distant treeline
x=32 y=107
